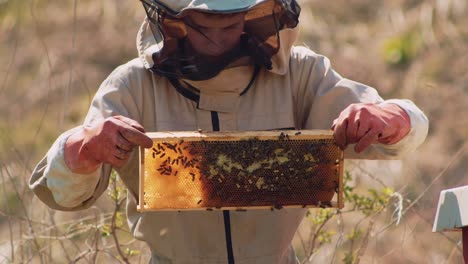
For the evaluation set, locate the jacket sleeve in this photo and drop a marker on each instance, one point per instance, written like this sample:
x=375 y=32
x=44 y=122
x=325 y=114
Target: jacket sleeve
x=53 y=182
x=322 y=94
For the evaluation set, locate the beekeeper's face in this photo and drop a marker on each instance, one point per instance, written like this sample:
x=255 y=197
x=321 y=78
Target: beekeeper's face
x=214 y=35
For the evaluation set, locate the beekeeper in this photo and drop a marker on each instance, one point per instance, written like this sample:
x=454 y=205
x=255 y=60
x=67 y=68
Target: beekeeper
x=217 y=66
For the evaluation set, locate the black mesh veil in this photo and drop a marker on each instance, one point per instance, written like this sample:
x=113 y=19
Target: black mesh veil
x=260 y=39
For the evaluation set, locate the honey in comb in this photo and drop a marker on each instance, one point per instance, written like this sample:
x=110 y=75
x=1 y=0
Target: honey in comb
x=244 y=173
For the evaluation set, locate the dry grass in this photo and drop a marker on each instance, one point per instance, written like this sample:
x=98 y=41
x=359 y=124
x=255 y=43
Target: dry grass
x=54 y=54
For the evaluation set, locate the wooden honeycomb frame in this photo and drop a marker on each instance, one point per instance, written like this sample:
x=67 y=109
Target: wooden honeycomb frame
x=240 y=170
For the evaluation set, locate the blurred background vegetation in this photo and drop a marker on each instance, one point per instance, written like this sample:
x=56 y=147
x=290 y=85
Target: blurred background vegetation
x=54 y=55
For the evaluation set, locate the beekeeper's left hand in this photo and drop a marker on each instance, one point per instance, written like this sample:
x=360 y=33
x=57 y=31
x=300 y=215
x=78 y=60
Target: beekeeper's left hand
x=364 y=124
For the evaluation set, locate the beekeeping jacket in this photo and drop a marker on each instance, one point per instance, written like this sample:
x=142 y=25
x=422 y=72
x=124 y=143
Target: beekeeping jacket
x=300 y=91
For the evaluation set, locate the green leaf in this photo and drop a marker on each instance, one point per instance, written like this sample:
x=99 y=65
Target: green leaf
x=401 y=50
x=106 y=230
x=130 y=252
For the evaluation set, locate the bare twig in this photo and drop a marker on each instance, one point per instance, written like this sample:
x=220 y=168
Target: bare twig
x=13 y=56
x=304 y=247
x=117 y=205
x=106 y=251
x=15 y=150
x=365 y=241
x=315 y=236
x=23 y=206
x=455 y=249
x=340 y=239
x=10 y=227
x=66 y=98
x=96 y=238
x=68 y=236
x=367 y=173
x=456 y=243
x=415 y=201
x=22 y=253
x=49 y=63
x=82 y=255
x=54 y=231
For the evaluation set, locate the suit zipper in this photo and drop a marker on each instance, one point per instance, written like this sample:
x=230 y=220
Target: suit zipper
x=226 y=214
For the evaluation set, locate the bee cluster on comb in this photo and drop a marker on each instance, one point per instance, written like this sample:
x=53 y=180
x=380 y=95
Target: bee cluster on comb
x=240 y=170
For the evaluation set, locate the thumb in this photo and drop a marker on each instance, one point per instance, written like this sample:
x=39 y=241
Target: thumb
x=368 y=139
x=136 y=136
x=334 y=124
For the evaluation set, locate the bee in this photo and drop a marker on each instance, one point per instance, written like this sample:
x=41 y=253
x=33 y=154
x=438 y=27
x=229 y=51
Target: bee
x=193 y=176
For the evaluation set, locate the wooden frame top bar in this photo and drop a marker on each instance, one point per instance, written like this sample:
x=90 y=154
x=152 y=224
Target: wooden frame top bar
x=235 y=135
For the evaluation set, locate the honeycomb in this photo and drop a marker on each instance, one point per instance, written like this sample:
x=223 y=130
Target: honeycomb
x=240 y=170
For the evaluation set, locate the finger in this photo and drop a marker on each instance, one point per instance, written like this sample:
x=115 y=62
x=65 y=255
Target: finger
x=123 y=144
x=121 y=153
x=368 y=139
x=117 y=162
x=135 y=137
x=340 y=133
x=131 y=123
x=334 y=124
x=351 y=131
x=113 y=159
x=389 y=134
x=389 y=140
x=363 y=129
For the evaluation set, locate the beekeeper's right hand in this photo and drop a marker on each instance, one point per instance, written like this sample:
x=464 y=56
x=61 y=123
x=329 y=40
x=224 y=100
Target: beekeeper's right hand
x=109 y=141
